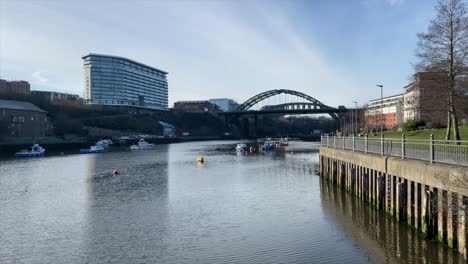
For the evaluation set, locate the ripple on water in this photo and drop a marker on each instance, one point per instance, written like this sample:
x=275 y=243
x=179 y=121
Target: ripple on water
x=166 y=208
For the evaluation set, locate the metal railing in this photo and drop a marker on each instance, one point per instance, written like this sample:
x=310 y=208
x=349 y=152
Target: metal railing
x=440 y=151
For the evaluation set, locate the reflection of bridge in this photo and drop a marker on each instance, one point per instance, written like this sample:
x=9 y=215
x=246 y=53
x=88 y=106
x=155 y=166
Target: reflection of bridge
x=250 y=113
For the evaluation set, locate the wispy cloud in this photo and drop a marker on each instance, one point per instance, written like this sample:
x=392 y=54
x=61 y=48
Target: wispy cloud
x=210 y=48
x=38 y=76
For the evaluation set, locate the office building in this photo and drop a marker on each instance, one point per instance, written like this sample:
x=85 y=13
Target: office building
x=426 y=99
x=225 y=104
x=118 y=81
x=387 y=111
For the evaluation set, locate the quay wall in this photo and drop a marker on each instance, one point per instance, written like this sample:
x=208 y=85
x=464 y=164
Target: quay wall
x=430 y=197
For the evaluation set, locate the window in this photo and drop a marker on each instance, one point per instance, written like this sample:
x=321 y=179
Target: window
x=17 y=119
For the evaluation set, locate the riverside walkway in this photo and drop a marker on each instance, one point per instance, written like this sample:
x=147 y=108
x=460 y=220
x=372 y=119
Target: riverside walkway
x=431 y=150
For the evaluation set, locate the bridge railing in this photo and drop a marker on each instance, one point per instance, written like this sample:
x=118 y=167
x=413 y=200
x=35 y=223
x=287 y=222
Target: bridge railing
x=431 y=150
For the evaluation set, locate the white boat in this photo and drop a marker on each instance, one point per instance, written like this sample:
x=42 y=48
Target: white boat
x=284 y=142
x=34 y=151
x=241 y=147
x=104 y=143
x=142 y=144
x=92 y=149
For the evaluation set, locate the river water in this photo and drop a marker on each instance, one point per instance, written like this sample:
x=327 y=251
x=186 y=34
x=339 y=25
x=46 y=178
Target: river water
x=166 y=208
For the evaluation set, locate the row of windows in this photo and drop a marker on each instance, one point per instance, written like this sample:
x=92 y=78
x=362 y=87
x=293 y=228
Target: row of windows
x=128 y=74
x=131 y=82
x=128 y=93
x=117 y=102
x=132 y=66
x=129 y=85
x=120 y=80
x=117 y=61
x=100 y=68
x=115 y=98
x=128 y=96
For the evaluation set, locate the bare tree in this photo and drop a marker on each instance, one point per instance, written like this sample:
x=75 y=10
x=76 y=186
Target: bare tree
x=444 y=49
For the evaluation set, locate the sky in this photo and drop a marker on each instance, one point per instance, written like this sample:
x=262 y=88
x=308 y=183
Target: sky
x=335 y=51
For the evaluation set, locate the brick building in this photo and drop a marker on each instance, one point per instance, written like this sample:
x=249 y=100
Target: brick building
x=21 y=119
x=387 y=111
x=426 y=98
x=14 y=87
x=58 y=97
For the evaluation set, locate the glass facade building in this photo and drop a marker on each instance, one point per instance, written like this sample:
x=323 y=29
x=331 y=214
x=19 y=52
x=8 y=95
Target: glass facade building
x=111 y=80
x=225 y=104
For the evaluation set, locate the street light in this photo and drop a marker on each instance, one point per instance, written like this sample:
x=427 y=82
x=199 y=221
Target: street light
x=352 y=122
x=355 y=116
x=381 y=108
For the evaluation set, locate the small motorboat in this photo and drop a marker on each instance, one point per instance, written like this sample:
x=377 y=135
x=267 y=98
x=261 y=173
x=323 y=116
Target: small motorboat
x=33 y=151
x=105 y=143
x=92 y=149
x=283 y=142
x=241 y=147
x=268 y=146
x=141 y=145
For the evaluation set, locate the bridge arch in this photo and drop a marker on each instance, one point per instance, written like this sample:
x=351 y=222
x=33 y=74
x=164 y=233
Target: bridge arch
x=262 y=96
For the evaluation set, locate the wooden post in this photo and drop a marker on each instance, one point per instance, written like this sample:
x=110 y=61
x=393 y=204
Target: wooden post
x=462 y=225
x=409 y=202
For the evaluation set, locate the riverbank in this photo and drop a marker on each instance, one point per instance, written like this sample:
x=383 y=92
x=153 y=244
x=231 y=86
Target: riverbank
x=72 y=145
x=439 y=133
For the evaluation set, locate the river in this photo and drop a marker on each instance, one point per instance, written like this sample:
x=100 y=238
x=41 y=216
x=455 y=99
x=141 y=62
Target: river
x=164 y=207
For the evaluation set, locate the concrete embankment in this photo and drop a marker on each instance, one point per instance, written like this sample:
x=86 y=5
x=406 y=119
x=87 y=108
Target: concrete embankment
x=432 y=198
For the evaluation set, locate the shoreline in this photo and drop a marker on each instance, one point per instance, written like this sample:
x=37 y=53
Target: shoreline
x=72 y=147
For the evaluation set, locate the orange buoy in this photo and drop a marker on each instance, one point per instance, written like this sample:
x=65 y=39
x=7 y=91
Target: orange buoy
x=115 y=172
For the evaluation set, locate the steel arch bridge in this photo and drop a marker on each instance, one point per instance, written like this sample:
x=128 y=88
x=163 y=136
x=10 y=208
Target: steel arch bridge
x=312 y=106
x=292 y=106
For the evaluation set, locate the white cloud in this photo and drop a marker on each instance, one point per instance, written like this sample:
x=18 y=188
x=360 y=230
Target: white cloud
x=210 y=50
x=38 y=76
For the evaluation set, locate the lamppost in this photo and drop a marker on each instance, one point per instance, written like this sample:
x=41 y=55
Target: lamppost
x=381 y=108
x=355 y=116
x=352 y=123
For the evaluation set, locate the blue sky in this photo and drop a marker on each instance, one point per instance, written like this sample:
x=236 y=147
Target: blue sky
x=335 y=51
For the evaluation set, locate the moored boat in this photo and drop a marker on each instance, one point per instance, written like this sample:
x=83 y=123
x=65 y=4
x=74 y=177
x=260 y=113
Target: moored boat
x=34 y=151
x=283 y=142
x=92 y=149
x=142 y=144
x=268 y=146
x=241 y=147
x=104 y=143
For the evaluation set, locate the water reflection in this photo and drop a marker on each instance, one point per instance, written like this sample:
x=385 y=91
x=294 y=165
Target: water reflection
x=127 y=213
x=381 y=237
x=42 y=205
x=165 y=208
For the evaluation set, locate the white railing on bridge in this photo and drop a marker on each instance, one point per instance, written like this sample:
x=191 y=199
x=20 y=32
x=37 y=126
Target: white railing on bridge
x=440 y=151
